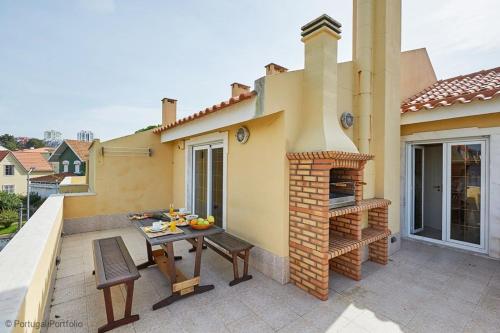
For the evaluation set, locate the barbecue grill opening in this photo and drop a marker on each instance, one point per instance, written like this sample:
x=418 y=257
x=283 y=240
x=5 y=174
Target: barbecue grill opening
x=342 y=188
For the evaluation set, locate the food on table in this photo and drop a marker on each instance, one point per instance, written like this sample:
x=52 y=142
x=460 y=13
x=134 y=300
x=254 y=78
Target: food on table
x=173 y=226
x=141 y=216
x=200 y=223
x=211 y=219
x=182 y=222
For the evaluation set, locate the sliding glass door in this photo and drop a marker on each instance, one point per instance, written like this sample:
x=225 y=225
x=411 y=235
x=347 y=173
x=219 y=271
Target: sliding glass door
x=466 y=188
x=208 y=181
x=447 y=192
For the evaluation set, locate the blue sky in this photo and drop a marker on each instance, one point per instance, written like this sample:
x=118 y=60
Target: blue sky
x=104 y=65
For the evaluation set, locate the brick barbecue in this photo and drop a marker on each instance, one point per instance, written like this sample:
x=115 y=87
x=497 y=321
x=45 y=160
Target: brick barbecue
x=323 y=239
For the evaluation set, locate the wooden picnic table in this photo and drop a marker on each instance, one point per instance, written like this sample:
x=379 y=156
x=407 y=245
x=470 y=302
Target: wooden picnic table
x=164 y=258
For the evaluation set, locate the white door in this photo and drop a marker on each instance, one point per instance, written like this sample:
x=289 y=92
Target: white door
x=465 y=193
x=417 y=211
x=208 y=181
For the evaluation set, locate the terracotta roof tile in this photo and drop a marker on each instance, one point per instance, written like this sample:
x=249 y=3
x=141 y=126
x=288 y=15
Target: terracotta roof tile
x=30 y=160
x=81 y=148
x=207 y=111
x=41 y=150
x=55 y=178
x=482 y=85
x=3 y=153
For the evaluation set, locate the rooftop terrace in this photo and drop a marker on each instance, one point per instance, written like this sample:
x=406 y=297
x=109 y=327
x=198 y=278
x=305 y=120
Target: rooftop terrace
x=424 y=288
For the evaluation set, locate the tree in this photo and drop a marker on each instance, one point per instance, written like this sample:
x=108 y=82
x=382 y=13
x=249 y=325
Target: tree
x=147 y=128
x=7 y=217
x=35 y=143
x=9 y=201
x=8 y=141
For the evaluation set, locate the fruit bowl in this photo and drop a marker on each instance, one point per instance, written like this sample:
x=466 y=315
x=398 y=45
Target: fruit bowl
x=201 y=226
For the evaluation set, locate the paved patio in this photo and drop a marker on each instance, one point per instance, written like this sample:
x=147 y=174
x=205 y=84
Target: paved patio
x=424 y=288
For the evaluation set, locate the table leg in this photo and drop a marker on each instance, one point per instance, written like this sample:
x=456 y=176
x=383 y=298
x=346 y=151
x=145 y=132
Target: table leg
x=176 y=297
x=197 y=289
x=197 y=260
x=150 y=257
x=171 y=263
x=193 y=249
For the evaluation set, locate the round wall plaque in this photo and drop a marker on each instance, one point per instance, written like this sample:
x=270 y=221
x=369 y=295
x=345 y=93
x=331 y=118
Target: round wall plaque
x=347 y=119
x=242 y=134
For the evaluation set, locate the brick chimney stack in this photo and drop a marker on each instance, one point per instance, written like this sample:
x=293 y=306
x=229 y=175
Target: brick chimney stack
x=168 y=111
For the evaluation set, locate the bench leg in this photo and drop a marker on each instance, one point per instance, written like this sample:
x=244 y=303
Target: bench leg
x=109 y=304
x=129 y=286
x=245 y=277
x=127 y=319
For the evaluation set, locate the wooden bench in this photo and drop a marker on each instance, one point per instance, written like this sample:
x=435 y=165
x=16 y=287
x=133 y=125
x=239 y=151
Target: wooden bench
x=236 y=248
x=113 y=266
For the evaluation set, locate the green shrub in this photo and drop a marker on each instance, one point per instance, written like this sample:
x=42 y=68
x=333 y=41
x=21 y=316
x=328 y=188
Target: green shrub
x=35 y=200
x=9 y=201
x=7 y=217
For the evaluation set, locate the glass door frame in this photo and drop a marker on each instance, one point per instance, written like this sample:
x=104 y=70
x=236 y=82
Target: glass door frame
x=214 y=140
x=208 y=171
x=412 y=198
x=484 y=197
x=409 y=172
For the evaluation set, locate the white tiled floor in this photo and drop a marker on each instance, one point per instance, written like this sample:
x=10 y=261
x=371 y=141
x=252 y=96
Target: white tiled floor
x=423 y=289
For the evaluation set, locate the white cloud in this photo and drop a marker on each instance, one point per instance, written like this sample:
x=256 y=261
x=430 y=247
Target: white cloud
x=461 y=36
x=99 y=6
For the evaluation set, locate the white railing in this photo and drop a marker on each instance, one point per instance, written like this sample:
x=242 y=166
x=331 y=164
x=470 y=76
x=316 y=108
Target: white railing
x=27 y=268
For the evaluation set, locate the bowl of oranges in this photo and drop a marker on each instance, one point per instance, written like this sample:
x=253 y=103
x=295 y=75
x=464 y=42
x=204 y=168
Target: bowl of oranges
x=201 y=223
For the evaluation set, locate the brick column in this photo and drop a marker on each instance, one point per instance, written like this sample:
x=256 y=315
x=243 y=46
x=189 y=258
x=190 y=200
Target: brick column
x=379 y=251
x=309 y=226
x=309 y=218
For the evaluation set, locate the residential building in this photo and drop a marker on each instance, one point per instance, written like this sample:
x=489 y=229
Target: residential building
x=71 y=156
x=450 y=139
x=269 y=163
x=52 y=138
x=46 y=152
x=246 y=141
x=14 y=167
x=83 y=135
x=52 y=135
x=56 y=183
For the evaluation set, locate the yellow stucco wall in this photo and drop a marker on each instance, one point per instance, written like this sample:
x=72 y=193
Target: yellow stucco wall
x=482 y=121
x=417 y=72
x=257 y=183
x=125 y=183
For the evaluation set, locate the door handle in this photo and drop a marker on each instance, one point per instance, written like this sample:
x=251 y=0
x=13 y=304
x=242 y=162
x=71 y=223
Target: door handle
x=437 y=188
x=216 y=206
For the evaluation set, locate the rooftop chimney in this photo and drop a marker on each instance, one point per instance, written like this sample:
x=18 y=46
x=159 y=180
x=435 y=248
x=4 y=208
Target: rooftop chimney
x=238 y=89
x=320 y=126
x=273 y=68
x=168 y=111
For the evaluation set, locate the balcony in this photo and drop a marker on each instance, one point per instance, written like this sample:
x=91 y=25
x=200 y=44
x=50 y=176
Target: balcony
x=423 y=288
